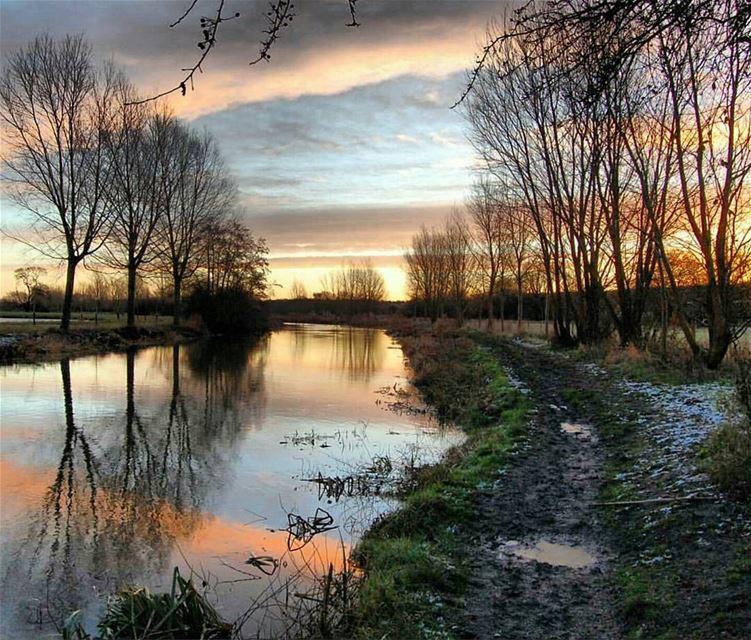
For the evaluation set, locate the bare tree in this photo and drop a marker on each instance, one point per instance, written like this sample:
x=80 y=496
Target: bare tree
x=523 y=130
x=518 y=234
x=298 y=290
x=195 y=192
x=458 y=261
x=708 y=80
x=483 y=209
x=441 y=267
x=135 y=145
x=426 y=275
x=359 y=284
x=30 y=278
x=97 y=290
x=55 y=108
x=234 y=258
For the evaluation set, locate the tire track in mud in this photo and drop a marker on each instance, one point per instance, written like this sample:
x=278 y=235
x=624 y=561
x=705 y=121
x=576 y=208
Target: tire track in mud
x=546 y=495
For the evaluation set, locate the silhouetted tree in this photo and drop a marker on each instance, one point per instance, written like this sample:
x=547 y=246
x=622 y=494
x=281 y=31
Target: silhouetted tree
x=56 y=108
x=135 y=146
x=196 y=192
x=30 y=278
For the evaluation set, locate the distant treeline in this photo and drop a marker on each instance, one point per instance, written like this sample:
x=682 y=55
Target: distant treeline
x=505 y=306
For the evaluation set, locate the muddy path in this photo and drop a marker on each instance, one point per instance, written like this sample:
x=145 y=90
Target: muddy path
x=543 y=509
x=686 y=565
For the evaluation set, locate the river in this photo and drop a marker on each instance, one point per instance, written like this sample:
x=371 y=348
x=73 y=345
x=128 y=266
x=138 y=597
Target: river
x=116 y=469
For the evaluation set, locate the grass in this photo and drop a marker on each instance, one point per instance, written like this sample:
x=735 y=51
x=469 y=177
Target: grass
x=49 y=343
x=727 y=454
x=727 y=457
x=413 y=559
x=84 y=320
x=645 y=365
x=183 y=613
x=677 y=576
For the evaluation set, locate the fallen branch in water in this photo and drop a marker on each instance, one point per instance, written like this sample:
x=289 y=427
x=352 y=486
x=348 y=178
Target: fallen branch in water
x=632 y=503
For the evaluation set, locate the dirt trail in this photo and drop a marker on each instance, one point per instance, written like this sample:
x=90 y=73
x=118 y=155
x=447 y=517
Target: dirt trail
x=546 y=495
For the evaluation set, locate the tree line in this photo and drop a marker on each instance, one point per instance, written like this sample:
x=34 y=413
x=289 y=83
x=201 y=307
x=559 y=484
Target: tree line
x=614 y=152
x=108 y=181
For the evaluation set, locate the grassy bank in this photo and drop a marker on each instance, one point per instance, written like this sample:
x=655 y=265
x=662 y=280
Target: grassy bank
x=53 y=344
x=413 y=559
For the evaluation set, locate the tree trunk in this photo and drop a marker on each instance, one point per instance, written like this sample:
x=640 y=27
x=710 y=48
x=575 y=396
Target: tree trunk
x=70 y=278
x=519 y=306
x=503 y=310
x=176 y=302
x=132 y=295
x=720 y=336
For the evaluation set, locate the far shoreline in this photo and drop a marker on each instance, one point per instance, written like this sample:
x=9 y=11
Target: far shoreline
x=51 y=344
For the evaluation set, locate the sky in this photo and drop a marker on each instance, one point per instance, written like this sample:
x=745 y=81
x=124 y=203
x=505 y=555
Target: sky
x=342 y=145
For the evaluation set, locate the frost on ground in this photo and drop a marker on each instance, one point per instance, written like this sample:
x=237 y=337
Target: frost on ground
x=515 y=381
x=678 y=420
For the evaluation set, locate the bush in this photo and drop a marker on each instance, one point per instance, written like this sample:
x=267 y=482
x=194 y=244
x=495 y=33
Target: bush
x=229 y=311
x=729 y=448
x=729 y=451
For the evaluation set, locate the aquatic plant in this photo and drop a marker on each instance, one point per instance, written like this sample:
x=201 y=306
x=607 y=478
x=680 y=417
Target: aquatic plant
x=182 y=614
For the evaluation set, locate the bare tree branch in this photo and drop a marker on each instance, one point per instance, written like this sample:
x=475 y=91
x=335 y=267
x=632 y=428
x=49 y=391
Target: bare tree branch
x=279 y=16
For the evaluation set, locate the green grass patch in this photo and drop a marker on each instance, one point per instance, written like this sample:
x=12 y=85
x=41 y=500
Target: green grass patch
x=578 y=398
x=740 y=568
x=644 y=592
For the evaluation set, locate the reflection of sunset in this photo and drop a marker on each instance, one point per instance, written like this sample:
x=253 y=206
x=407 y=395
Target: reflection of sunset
x=216 y=537
x=21 y=486
x=134 y=463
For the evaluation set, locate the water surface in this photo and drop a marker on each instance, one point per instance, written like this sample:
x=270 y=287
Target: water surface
x=115 y=469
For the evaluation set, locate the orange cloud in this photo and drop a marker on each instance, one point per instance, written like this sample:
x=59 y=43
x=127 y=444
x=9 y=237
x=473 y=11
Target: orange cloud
x=324 y=72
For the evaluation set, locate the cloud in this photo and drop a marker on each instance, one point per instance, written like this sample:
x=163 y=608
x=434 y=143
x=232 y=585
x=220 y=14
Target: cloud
x=345 y=231
x=371 y=145
x=318 y=55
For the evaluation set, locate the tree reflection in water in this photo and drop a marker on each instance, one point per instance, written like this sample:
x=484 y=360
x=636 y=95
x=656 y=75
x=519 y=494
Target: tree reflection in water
x=126 y=491
x=354 y=350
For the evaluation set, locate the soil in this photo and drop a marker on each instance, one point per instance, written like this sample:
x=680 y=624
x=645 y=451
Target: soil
x=552 y=493
x=53 y=344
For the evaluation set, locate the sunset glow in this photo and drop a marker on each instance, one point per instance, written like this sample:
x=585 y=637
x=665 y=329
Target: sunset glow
x=341 y=146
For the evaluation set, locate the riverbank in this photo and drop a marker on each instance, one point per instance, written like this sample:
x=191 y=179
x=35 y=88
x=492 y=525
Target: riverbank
x=579 y=507
x=416 y=560
x=23 y=347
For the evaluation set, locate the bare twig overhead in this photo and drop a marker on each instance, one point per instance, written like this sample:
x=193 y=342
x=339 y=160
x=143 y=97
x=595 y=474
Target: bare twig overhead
x=353 y=14
x=279 y=16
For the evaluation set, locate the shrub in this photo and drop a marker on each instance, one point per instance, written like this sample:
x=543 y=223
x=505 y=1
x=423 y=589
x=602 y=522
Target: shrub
x=229 y=311
x=729 y=448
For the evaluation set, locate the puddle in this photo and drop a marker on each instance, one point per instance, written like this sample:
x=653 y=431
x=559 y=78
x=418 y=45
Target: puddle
x=559 y=555
x=577 y=429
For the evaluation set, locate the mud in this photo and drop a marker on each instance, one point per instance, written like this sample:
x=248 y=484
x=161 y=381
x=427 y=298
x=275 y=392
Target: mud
x=552 y=553
x=546 y=495
x=545 y=555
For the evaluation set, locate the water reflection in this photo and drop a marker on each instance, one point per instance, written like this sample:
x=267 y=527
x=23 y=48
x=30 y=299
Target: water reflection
x=359 y=352
x=117 y=468
x=124 y=493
